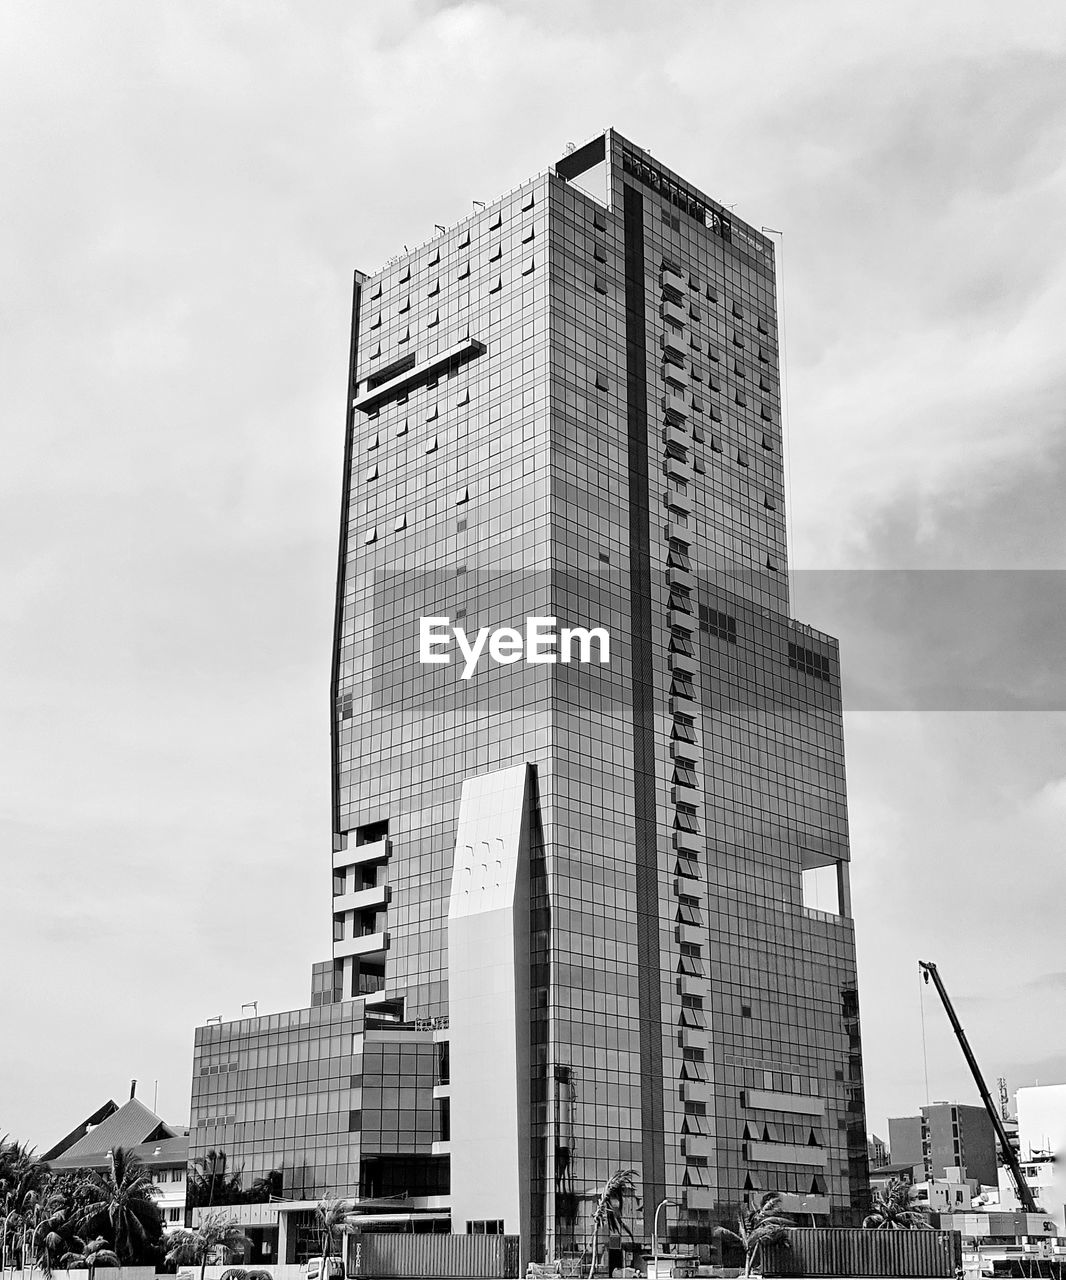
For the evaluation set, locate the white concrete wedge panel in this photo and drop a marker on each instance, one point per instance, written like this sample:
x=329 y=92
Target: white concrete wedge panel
x=488 y=1003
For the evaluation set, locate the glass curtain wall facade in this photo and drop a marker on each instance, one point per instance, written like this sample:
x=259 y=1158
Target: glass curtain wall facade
x=568 y=406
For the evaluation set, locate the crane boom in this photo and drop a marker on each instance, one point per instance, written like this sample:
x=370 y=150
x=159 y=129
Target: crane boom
x=1010 y=1158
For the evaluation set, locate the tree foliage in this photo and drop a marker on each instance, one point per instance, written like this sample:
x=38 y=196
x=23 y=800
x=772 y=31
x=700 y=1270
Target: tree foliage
x=760 y=1224
x=896 y=1209
x=122 y=1207
x=331 y=1217
x=92 y=1254
x=215 y=1239
x=608 y=1215
x=51 y=1216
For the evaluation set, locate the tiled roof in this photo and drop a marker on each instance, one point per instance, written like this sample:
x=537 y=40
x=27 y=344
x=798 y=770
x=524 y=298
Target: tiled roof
x=132 y=1124
x=161 y=1153
x=79 y=1131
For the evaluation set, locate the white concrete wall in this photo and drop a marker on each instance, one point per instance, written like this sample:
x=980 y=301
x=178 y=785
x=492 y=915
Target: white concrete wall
x=1042 y=1128
x=488 y=1004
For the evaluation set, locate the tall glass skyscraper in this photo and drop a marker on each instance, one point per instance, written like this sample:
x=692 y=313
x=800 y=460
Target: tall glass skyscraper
x=601 y=906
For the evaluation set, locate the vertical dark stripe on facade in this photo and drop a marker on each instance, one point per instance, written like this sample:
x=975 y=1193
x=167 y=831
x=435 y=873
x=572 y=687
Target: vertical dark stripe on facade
x=647 y=862
x=342 y=561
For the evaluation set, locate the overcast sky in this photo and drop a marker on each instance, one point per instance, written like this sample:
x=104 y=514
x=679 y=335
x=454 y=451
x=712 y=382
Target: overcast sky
x=186 y=189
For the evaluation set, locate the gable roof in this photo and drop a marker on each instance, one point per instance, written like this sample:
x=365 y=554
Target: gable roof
x=79 y=1131
x=128 y=1126
x=156 y=1154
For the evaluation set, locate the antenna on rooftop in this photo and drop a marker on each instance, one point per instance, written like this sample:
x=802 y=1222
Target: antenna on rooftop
x=478 y=205
x=437 y=226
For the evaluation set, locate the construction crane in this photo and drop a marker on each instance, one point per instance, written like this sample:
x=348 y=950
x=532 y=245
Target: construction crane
x=1010 y=1158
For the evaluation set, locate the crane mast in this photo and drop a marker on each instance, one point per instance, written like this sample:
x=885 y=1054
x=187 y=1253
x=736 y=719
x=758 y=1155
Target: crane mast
x=1010 y=1158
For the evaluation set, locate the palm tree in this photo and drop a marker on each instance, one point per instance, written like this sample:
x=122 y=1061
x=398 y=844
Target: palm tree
x=608 y=1215
x=96 y=1253
x=331 y=1216
x=895 y=1209
x=760 y=1224
x=124 y=1205
x=22 y=1184
x=215 y=1235
x=49 y=1239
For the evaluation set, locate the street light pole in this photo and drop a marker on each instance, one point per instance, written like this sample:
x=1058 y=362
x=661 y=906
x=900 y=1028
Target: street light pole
x=655 y=1235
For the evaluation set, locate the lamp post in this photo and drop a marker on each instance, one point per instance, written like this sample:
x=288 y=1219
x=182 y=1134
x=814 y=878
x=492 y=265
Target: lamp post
x=655 y=1235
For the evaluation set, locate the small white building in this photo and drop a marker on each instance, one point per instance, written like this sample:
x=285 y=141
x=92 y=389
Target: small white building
x=951 y=1194
x=1041 y=1151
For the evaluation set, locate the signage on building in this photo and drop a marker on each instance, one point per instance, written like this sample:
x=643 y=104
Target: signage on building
x=677 y=193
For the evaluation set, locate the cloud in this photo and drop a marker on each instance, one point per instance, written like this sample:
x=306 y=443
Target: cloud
x=1052 y=981
x=188 y=191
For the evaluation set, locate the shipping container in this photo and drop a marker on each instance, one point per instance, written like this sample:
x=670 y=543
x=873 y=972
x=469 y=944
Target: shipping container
x=817 y=1251
x=446 y=1257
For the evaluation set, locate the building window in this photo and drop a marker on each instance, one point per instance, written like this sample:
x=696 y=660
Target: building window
x=718 y=624
x=808 y=661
